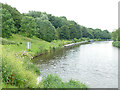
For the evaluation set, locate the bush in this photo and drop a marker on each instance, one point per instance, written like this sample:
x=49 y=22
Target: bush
x=116 y=44
x=76 y=40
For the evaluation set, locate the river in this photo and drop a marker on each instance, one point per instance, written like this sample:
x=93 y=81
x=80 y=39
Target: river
x=95 y=64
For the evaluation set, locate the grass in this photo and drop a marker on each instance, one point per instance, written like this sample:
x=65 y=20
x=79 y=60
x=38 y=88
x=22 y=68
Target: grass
x=116 y=44
x=14 y=71
x=8 y=86
x=54 y=81
x=37 y=45
x=18 y=69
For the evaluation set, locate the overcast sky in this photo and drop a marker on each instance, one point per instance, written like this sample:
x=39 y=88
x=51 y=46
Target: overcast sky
x=101 y=14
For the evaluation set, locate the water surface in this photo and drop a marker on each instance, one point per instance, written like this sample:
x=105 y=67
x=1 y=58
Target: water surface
x=94 y=64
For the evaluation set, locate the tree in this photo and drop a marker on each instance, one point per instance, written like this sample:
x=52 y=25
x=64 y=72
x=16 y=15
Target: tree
x=106 y=34
x=86 y=32
x=56 y=21
x=8 y=26
x=116 y=35
x=45 y=30
x=75 y=30
x=64 y=32
x=28 y=26
x=37 y=14
x=69 y=30
x=15 y=14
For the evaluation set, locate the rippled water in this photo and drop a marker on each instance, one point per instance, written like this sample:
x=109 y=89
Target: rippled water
x=94 y=64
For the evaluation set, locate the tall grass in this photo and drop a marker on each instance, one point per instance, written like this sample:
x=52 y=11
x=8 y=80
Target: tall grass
x=15 y=73
x=54 y=81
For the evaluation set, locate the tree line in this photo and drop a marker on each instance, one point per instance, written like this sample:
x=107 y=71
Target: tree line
x=45 y=26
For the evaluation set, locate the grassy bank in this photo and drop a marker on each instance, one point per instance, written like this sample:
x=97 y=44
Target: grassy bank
x=18 y=43
x=116 y=44
x=18 y=69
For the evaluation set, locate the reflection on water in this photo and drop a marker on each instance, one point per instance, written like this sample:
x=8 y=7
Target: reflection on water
x=95 y=64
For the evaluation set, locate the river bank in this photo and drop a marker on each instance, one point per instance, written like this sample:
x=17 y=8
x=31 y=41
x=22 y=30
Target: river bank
x=16 y=58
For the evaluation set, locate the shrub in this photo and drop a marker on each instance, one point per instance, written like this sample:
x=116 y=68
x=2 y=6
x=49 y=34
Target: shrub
x=76 y=40
x=116 y=44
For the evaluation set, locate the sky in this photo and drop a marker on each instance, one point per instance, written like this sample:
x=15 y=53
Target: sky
x=102 y=14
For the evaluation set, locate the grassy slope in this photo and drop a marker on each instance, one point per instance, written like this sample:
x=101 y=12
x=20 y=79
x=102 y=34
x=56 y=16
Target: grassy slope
x=17 y=62
x=35 y=44
x=17 y=67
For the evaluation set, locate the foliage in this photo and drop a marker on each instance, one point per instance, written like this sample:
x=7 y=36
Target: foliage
x=76 y=40
x=37 y=14
x=8 y=26
x=116 y=38
x=106 y=35
x=85 y=32
x=45 y=30
x=28 y=26
x=69 y=31
x=116 y=35
x=56 y=21
x=10 y=67
x=75 y=31
x=64 y=32
x=99 y=34
x=116 y=44
x=8 y=86
x=15 y=14
x=54 y=81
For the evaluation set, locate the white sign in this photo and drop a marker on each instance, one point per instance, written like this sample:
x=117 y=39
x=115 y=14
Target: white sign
x=28 y=45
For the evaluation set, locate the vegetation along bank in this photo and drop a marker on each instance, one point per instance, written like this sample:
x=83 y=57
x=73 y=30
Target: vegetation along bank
x=116 y=38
